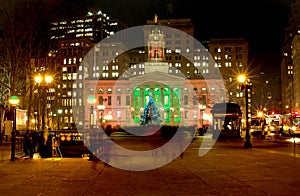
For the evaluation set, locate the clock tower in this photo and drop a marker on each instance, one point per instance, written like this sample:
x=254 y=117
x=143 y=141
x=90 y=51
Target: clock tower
x=156 y=44
x=156 y=49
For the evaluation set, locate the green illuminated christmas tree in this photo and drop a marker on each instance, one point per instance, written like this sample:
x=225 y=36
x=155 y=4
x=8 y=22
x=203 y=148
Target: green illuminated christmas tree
x=151 y=114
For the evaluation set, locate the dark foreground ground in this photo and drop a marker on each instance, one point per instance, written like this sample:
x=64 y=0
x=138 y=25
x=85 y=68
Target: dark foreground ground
x=269 y=168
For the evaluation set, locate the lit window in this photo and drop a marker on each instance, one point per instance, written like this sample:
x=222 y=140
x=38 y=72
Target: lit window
x=195 y=114
x=119 y=114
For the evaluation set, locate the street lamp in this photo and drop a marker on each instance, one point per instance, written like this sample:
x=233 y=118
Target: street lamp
x=14 y=101
x=246 y=86
x=42 y=80
x=101 y=108
x=91 y=101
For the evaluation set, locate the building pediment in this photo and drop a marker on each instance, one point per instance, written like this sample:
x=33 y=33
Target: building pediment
x=157 y=77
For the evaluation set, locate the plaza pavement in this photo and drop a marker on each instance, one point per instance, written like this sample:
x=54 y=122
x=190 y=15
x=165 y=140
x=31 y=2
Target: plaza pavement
x=269 y=168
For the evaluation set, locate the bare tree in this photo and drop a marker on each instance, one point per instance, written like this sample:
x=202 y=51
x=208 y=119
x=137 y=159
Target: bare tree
x=24 y=35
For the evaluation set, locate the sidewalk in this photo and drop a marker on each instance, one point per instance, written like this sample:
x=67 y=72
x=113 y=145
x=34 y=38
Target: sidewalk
x=5 y=151
x=227 y=169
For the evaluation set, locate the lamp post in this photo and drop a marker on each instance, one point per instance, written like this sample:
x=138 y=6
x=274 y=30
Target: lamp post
x=35 y=120
x=202 y=109
x=245 y=85
x=43 y=81
x=101 y=109
x=91 y=101
x=59 y=112
x=14 y=101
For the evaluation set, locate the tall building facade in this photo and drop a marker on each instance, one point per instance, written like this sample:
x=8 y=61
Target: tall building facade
x=231 y=58
x=180 y=46
x=154 y=73
x=94 y=27
x=296 y=72
x=70 y=41
x=287 y=64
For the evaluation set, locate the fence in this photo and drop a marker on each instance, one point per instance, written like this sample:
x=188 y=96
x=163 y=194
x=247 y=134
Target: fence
x=19 y=148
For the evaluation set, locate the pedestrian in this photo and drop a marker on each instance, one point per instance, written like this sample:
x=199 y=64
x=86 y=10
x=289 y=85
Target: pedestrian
x=28 y=143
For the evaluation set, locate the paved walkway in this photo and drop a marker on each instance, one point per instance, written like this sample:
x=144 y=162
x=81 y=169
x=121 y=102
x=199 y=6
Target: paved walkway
x=268 y=168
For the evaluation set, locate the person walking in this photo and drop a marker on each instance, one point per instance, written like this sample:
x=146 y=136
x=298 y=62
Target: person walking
x=28 y=143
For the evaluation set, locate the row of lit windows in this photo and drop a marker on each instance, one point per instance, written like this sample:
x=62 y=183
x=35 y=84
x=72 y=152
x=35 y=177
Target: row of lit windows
x=84 y=35
x=72 y=60
x=80 y=30
x=73 y=29
x=239 y=56
x=107 y=75
x=88 y=20
x=83 y=44
x=71 y=76
x=199 y=58
x=74 y=86
x=228 y=49
x=228 y=64
x=177 y=50
x=176 y=65
x=198 y=64
x=176 y=71
x=141 y=66
x=138 y=73
x=106 y=68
